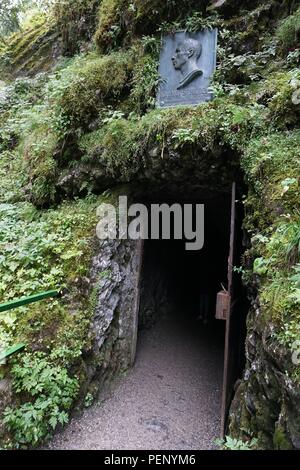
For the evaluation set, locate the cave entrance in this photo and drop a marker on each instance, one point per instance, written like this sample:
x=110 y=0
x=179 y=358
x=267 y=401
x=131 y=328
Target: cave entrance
x=179 y=289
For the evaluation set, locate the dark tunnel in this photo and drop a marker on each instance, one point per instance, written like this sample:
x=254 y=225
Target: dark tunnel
x=179 y=287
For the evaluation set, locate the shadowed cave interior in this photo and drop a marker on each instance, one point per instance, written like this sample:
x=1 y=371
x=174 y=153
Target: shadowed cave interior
x=179 y=290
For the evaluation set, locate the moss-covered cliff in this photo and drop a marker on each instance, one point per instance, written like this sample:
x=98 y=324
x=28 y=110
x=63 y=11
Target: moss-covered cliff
x=60 y=149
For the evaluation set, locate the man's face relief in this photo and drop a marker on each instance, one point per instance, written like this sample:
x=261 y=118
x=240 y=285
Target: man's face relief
x=181 y=56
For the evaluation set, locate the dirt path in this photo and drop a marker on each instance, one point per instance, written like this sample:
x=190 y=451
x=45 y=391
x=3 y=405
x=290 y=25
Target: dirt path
x=170 y=400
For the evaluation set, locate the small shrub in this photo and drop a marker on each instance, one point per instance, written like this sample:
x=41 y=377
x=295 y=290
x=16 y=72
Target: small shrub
x=184 y=136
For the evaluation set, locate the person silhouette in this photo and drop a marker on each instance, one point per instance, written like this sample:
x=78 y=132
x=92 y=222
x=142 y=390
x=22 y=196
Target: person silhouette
x=185 y=59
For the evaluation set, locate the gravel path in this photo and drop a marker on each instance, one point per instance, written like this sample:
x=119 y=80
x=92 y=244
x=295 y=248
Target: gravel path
x=170 y=400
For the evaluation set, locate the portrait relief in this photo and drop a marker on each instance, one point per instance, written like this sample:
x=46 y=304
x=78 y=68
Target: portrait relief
x=185 y=59
x=186 y=67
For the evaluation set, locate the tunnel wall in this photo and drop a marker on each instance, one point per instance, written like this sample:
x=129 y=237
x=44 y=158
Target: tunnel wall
x=155 y=300
x=115 y=276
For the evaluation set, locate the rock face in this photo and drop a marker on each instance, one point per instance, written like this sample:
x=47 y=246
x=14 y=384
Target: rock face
x=115 y=275
x=159 y=170
x=267 y=401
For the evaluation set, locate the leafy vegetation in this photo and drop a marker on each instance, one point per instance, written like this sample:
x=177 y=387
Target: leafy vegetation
x=38 y=250
x=92 y=80
x=52 y=393
x=235 y=444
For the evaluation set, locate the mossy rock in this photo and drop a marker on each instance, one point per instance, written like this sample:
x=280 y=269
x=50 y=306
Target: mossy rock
x=121 y=20
x=280 y=440
x=32 y=50
x=288 y=31
x=101 y=80
x=76 y=22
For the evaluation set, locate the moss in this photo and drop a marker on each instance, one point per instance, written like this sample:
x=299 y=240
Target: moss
x=109 y=26
x=75 y=22
x=288 y=32
x=36 y=150
x=280 y=439
x=121 y=20
x=284 y=111
x=100 y=80
x=28 y=50
x=51 y=240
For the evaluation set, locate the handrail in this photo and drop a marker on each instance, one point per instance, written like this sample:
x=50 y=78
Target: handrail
x=12 y=350
x=28 y=300
x=19 y=303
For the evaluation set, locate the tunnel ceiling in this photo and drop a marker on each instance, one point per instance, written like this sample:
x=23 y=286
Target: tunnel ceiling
x=188 y=174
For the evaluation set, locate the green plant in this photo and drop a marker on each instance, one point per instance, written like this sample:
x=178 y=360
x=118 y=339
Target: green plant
x=185 y=136
x=151 y=45
x=76 y=22
x=37 y=253
x=10 y=15
x=260 y=266
x=230 y=443
x=239 y=270
x=51 y=393
x=193 y=22
x=88 y=400
x=112 y=115
x=92 y=117
x=145 y=83
x=109 y=31
x=196 y=21
x=290 y=333
x=90 y=81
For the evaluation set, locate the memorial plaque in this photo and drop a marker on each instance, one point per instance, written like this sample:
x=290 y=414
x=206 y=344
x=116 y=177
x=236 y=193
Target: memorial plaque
x=187 y=63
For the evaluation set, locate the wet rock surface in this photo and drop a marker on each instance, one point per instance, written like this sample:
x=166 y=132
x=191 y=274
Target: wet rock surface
x=266 y=400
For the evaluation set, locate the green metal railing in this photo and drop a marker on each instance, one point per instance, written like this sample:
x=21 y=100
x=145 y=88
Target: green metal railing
x=12 y=350
x=28 y=300
x=20 y=303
